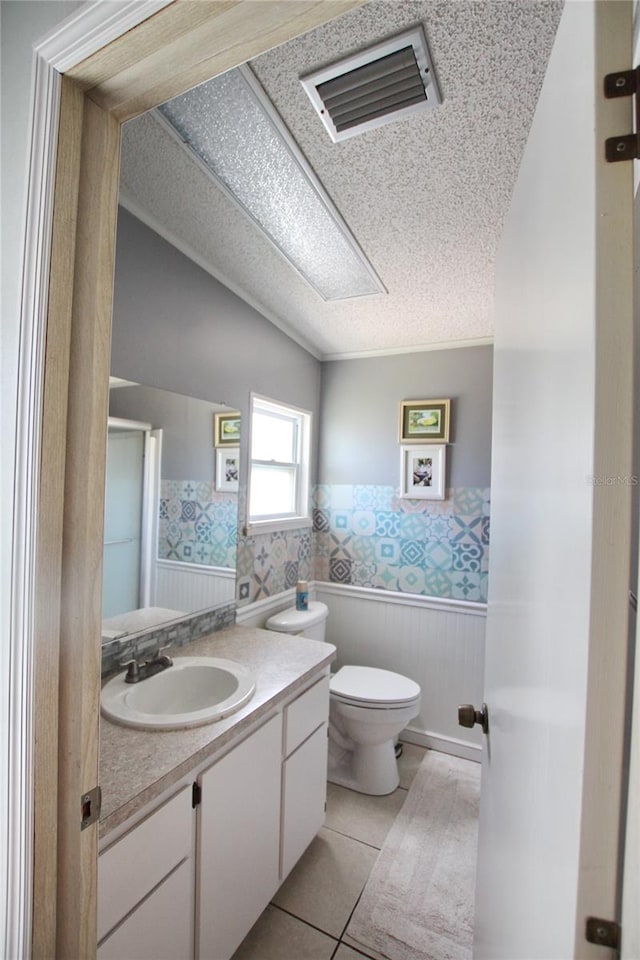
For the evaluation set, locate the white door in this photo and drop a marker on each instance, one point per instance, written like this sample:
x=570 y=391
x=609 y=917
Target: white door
x=560 y=526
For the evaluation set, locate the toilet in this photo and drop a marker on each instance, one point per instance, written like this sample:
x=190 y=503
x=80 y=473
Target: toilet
x=369 y=708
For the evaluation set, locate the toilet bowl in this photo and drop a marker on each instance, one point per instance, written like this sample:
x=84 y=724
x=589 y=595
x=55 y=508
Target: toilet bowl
x=369 y=708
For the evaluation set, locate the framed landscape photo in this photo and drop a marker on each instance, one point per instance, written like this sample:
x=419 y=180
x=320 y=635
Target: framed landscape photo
x=422 y=472
x=226 y=429
x=424 y=421
x=227 y=469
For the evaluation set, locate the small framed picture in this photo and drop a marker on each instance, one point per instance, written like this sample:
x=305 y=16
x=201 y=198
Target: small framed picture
x=226 y=429
x=422 y=472
x=227 y=469
x=424 y=421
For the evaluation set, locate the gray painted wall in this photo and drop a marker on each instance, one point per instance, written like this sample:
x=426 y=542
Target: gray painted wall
x=188 y=451
x=177 y=328
x=360 y=413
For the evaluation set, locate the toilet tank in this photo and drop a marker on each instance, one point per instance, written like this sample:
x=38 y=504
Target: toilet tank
x=309 y=623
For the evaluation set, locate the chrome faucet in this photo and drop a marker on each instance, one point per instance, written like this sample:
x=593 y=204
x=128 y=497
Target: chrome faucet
x=142 y=671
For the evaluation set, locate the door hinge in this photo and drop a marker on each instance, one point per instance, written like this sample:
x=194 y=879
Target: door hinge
x=90 y=804
x=196 y=794
x=626 y=83
x=604 y=933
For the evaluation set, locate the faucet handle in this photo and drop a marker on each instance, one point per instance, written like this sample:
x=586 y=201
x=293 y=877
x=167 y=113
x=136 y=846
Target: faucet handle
x=133 y=672
x=159 y=655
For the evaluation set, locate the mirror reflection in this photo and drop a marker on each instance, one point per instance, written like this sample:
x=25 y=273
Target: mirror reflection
x=171 y=508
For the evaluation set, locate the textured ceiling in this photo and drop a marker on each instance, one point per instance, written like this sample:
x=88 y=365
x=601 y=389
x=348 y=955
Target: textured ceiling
x=425 y=196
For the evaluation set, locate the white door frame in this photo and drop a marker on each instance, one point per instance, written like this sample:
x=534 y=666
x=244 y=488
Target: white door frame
x=71 y=42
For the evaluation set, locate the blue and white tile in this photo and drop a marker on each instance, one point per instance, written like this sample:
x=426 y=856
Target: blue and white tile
x=467 y=555
x=438 y=554
x=412 y=552
x=466 y=528
x=412 y=526
x=411 y=579
x=363 y=523
x=370 y=497
x=468 y=501
x=465 y=586
x=363 y=574
x=387 y=551
x=387 y=524
x=437 y=583
x=363 y=549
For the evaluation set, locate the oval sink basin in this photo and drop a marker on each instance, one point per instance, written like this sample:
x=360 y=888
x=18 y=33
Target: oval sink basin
x=195 y=690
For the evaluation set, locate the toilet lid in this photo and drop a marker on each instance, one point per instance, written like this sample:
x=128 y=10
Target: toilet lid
x=372 y=685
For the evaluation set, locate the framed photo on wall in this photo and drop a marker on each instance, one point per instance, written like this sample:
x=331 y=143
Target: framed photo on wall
x=227 y=469
x=422 y=472
x=424 y=421
x=226 y=432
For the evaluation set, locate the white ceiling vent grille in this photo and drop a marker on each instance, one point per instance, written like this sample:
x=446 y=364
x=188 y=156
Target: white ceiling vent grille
x=388 y=81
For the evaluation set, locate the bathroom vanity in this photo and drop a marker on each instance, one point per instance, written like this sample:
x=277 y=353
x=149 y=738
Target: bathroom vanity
x=201 y=826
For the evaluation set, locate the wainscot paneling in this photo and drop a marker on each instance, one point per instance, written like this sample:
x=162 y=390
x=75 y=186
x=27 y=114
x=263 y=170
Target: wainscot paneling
x=438 y=643
x=192 y=586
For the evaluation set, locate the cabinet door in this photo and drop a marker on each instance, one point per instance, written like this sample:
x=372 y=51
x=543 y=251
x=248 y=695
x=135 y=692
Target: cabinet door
x=161 y=928
x=304 y=796
x=239 y=840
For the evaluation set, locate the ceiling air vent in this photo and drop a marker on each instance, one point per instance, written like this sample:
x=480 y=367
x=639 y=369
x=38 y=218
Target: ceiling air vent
x=388 y=81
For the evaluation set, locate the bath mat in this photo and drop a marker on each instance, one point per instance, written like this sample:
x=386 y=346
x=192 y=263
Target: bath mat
x=418 y=901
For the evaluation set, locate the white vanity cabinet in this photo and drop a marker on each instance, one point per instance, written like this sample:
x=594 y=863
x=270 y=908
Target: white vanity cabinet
x=239 y=831
x=304 y=772
x=145 y=887
x=187 y=882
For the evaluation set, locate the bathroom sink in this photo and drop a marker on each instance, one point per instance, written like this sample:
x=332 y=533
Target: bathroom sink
x=195 y=690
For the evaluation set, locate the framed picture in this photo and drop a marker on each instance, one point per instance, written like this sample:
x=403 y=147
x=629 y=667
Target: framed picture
x=227 y=469
x=424 y=421
x=227 y=429
x=422 y=471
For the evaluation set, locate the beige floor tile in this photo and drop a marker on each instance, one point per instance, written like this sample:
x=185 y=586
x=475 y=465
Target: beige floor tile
x=346 y=953
x=324 y=886
x=278 y=936
x=408 y=763
x=372 y=954
x=360 y=816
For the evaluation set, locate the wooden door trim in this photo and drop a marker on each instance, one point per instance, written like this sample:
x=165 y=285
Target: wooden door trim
x=67 y=572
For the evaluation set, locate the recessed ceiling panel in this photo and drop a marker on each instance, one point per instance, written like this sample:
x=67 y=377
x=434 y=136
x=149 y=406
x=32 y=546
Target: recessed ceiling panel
x=232 y=129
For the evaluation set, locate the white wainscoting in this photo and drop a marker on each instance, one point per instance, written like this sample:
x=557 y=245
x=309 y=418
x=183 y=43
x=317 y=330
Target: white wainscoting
x=192 y=586
x=438 y=643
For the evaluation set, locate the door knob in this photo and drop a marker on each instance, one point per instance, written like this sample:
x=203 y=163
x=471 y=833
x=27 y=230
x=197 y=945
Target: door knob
x=468 y=716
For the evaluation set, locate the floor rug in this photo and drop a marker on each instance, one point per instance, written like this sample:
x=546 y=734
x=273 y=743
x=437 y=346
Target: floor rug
x=418 y=901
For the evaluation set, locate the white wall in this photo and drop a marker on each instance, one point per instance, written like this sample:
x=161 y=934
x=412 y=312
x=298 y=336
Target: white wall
x=22 y=24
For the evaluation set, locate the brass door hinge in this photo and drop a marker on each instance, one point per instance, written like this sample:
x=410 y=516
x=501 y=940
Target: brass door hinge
x=626 y=83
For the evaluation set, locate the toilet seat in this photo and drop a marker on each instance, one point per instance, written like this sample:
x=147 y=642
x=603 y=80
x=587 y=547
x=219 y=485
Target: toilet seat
x=373 y=688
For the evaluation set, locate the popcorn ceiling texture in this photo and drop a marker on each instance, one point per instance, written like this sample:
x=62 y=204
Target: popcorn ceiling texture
x=425 y=197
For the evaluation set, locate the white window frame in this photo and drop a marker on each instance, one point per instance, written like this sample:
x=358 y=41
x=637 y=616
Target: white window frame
x=301 y=516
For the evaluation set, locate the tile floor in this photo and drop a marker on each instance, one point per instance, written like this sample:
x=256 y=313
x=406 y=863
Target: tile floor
x=309 y=914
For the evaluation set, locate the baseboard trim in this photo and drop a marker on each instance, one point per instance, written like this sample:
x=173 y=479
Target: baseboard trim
x=450 y=745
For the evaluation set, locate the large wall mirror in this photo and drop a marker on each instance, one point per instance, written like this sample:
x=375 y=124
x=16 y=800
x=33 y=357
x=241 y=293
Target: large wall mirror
x=171 y=508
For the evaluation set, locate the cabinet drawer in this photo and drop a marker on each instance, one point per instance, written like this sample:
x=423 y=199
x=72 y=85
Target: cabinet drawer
x=129 y=869
x=305 y=714
x=161 y=928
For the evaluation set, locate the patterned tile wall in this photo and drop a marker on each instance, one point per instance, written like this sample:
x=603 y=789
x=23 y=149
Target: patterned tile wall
x=368 y=537
x=272 y=562
x=197 y=524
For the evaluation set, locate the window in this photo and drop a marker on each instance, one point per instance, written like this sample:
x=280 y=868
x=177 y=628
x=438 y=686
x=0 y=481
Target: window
x=279 y=465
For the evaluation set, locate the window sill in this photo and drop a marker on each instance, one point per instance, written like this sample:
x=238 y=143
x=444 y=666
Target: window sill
x=271 y=526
